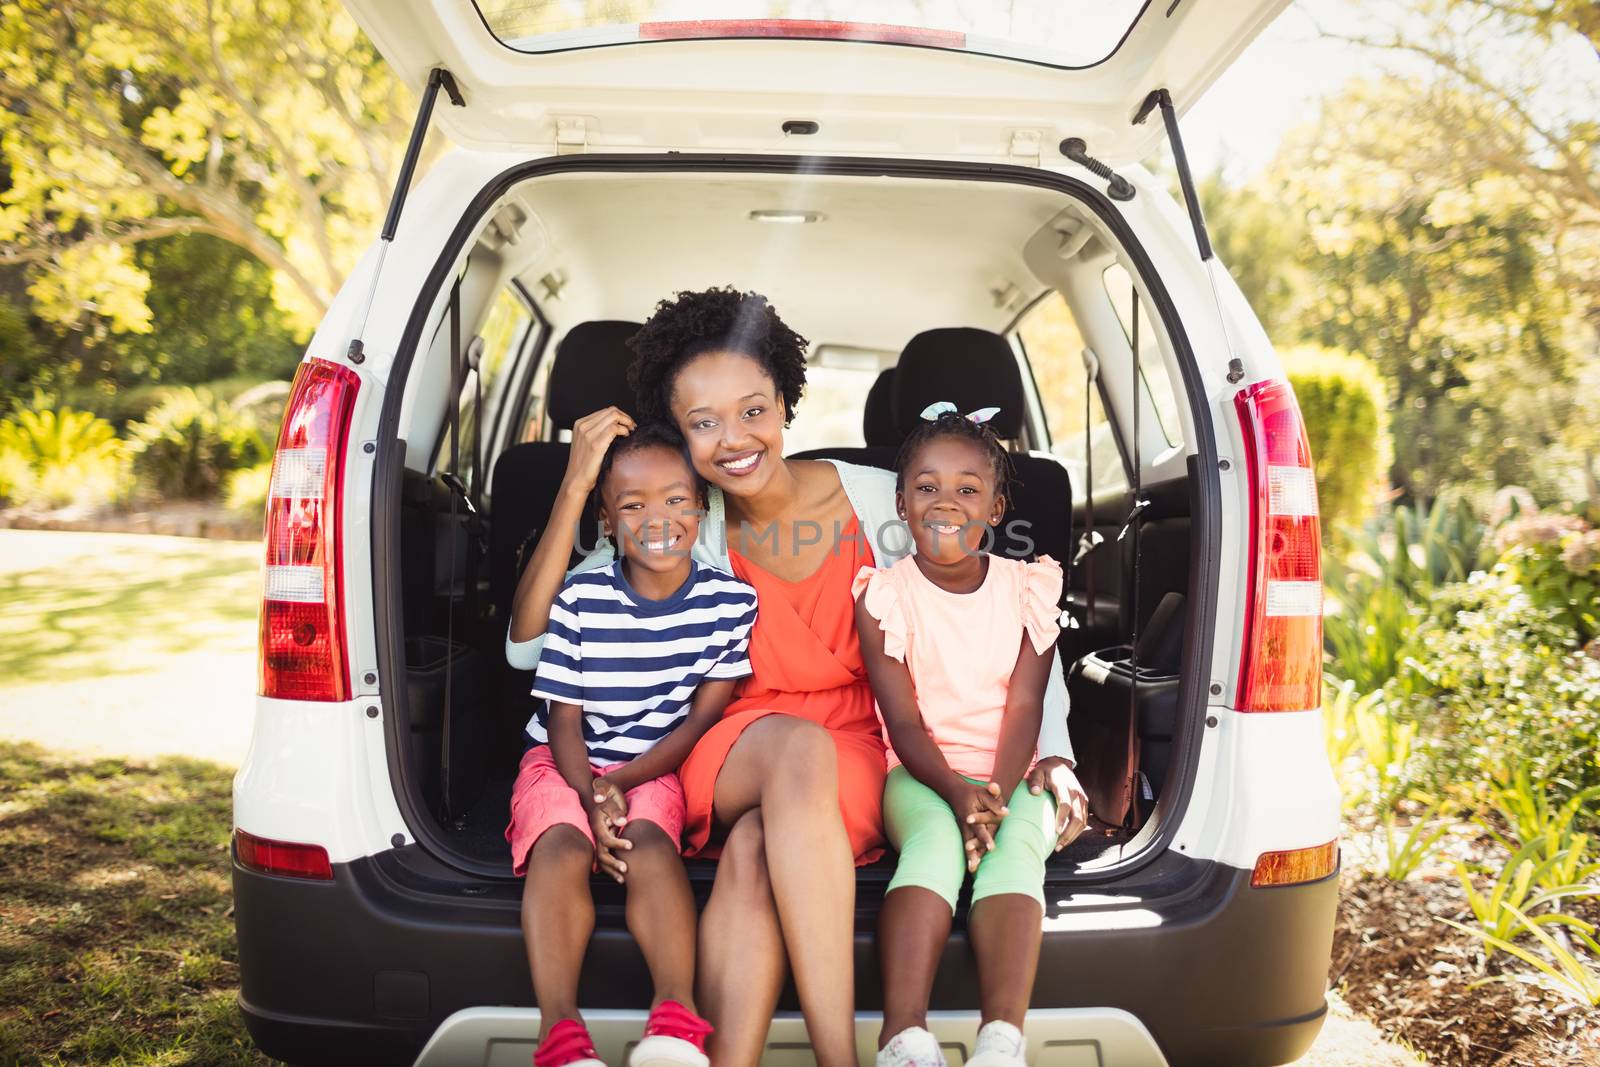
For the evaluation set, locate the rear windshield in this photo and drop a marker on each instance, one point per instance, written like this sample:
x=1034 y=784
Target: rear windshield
x=1054 y=32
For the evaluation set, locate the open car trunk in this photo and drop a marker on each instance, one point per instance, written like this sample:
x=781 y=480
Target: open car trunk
x=600 y=241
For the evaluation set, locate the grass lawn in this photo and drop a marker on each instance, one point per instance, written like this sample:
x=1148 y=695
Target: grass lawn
x=116 y=930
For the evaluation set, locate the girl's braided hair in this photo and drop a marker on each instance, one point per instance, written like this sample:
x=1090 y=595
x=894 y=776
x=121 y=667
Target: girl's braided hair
x=713 y=320
x=954 y=424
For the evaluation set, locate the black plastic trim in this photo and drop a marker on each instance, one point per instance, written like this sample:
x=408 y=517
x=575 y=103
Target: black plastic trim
x=1206 y=525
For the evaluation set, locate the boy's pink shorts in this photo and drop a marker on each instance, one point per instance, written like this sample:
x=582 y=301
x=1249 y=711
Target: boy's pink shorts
x=541 y=798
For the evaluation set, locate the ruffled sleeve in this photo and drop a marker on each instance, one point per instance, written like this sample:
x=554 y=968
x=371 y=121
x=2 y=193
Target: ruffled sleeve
x=883 y=603
x=1041 y=603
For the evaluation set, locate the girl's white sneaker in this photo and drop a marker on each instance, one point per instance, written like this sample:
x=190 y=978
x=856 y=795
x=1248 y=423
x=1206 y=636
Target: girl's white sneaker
x=660 y=1051
x=999 y=1044
x=911 y=1047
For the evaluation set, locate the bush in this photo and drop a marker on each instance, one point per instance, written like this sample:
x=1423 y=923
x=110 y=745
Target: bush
x=1498 y=684
x=1342 y=400
x=247 y=489
x=189 y=444
x=1379 y=589
x=1556 y=560
x=54 y=458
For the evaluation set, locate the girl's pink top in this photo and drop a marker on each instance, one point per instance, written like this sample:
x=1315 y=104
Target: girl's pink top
x=961 y=648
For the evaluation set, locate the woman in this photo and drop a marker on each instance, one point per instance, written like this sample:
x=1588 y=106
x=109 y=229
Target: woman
x=789 y=784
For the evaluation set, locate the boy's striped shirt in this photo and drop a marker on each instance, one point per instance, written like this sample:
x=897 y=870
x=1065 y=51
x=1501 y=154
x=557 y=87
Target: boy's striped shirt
x=633 y=664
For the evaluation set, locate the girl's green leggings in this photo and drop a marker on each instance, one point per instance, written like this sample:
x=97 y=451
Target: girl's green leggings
x=923 y=829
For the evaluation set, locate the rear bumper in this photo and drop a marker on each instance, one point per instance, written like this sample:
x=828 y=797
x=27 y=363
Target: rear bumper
x=366 y=968
x=1057 y=1037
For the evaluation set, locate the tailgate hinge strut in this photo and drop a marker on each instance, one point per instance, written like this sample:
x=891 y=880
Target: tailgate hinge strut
x=1117 y=187
x=438 y=78
x=1163 y=99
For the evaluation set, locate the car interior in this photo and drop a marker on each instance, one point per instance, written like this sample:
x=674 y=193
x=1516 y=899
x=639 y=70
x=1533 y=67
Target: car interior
x=910 y=290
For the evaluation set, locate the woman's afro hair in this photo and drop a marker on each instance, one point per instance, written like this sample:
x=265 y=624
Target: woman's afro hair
x=713 y=320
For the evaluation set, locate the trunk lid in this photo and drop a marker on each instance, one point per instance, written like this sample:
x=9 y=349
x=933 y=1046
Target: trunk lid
x=933 y=79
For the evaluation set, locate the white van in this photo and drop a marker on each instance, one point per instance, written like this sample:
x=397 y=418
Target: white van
x=946 y=198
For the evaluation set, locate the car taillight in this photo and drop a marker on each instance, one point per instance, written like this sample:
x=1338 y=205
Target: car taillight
x=302 y=621
x=1281 y=668
x=1296 y=865
x=809 y=29
x=281 y=857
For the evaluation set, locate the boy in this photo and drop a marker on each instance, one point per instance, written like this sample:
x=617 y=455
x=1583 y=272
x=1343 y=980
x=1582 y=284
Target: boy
x=640 y=659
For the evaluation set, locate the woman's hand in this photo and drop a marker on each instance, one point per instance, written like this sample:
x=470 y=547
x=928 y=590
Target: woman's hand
x=591 y=436
x=1072 y=803
x=978 y=810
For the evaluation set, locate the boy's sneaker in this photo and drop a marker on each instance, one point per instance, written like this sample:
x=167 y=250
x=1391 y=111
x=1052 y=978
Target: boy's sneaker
x=568 y=1044
x=674 y=1036
x=999 y=1044
x=911 y=1047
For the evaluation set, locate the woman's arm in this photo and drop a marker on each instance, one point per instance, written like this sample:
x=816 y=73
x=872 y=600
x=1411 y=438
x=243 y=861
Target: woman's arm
x=541 y=579
x=711 y=698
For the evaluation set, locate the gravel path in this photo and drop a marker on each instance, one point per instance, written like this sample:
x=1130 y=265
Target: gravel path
x=177 y=674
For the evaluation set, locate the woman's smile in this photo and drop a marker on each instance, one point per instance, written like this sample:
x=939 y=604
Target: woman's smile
x=741 y=463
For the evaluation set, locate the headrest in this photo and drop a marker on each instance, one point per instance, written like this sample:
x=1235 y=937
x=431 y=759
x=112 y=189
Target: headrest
x=591 y=372
x=877 y=417
x=970 y=368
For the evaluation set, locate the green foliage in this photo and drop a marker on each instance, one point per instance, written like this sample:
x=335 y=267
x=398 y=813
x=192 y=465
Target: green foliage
x=1344 y=713
x=1560 y=572
x=1514 y=899
x=58 y=457
x=213 y=322
x=1564 y=972
x=1442 y=277
x=1404 y=854
x=247 y=489
x=1378 y=588
x=269 y=126
x=21 y=355
x=1498 y=685
x=1548 y=829
x=120 y=946
x=189 y=444
x=1342 y=401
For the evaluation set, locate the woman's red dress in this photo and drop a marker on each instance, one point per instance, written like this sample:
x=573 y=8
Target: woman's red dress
x=806 y=661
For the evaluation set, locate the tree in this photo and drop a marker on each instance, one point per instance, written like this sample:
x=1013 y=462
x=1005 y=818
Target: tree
x=1448 y=286
x=271 y=125
x=1513 y=94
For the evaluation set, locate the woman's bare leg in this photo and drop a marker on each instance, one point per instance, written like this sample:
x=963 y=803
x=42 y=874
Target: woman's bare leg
x=741 y=949
x=788 y=767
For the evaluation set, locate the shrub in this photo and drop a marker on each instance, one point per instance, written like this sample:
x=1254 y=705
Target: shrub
x=1342 y=400
x=247 y=489
x=190 y=442
x=1379 y=588
x=1556 y=560
x=1496 y=682
x=59 y=457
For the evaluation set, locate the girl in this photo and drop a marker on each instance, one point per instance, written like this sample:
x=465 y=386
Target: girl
x=626 y=706
x=958 y=644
